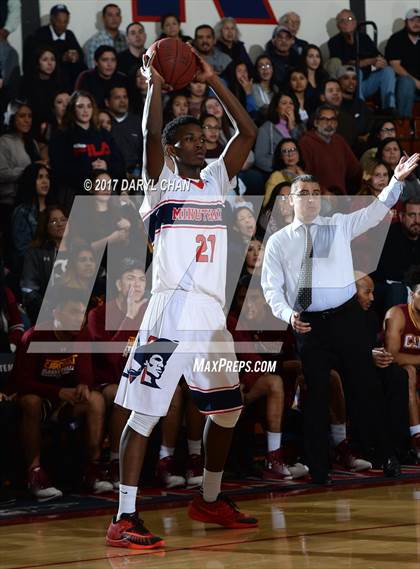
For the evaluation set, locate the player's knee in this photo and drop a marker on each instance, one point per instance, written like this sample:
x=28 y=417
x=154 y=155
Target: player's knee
x=274 y=383
x=109 y=392
x=30 y=404
x=142 y=424
x=96 y=402
x=226 y=420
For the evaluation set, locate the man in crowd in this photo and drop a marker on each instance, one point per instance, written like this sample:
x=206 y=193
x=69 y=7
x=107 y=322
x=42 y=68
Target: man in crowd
x=343 y=47
x=346 y=125
x=62 y=40
x=100 y=80
x=403 y=53
x=58 y=386
x=351 y=103
x=328 y=156
x=126 y=127
x=110 y=35
x=292 y=22
x=129 y=61
x=279 y=48
x=205 y=43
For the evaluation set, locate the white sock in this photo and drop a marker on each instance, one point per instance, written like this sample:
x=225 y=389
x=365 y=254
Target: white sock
x=114 y=456
x=273 y=441
x=212 y=484
x=338 y=433
x=127 y=504
x=166 y=451
x=414 y=430
x=194 y=447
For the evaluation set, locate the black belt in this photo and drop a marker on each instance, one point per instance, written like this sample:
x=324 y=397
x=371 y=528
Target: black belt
x=331 y=311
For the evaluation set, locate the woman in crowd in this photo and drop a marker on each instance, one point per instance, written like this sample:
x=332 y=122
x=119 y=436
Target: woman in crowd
x=34 y=188
x=312 y=63
x=171 y=28
x=239 y=82
x=197 y=93
x=283 y=122
x=42 y=262
x=384 y=129
x=176 y=106
x=211 y=106
x=390 y=152
x=105 y=120
x=298 y=85
x=40 y=86
x=227 y=36
x=80 y=269
x=211 y=128
x=287 y=165
x=81 y=147
x=278 y=211
x=377 y=178
x=17 y=150
x=263 y=87
x=254 y=257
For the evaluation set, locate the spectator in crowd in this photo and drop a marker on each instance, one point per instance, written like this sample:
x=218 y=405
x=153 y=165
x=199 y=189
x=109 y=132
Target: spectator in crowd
x=281 y=52
x=100 y=80
x=59 y=105
x=342 y=47
x=171 y=28
x=346 y=125
x=205 y=43
x=211 y=128
x=403 y=53
x=311 y=61
x=227 y=35
x=17 y=150
x=287 y=165
x=105 y=119
x=328 y=156
x=117 y=320
x=126 y=128
x=254 y=257
x=41 y=262
x=11 y=327
x=81 y=268
x=9 y=59
x=273 y=388
x=197 y=93
x=81 y=147
x=401 y=250
x=130 y=60
x=376 y=179
x=383 y=129
x=62 y=41
x=211 y=105
x=243 y=230
x=402 y=330
x=297 y=83
x=31 y=203
x=110 y=35
x=292 y=22
x=59 y=386
x=390 y=152
x=240 y=83
x=137 y=91
x=283 y=122
x=351 y=103
x=263 y=87
x=278 y=211
x=176 y=106
x=39 y=86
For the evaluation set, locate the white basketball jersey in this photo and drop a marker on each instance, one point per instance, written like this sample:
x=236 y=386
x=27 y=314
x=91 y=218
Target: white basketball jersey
x=188 y=231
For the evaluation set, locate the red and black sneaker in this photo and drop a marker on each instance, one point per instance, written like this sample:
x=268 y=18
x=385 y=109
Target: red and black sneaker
x=129 y=531
x=223 y=512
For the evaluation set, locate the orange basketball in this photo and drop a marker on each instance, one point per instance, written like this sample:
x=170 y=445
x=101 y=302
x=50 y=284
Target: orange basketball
x=175 y=61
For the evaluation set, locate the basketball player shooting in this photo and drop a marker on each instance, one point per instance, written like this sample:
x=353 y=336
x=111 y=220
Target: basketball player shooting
x=189 y=274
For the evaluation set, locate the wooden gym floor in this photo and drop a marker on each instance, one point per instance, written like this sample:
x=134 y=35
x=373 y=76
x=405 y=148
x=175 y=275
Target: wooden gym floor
x=370 y=528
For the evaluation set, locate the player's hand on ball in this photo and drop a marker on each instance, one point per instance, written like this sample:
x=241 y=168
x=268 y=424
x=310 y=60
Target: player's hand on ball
x=150 y=73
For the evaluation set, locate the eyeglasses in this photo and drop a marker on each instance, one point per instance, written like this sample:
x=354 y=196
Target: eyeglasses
x=289 y=150
x=265 y=66
x=307 y=193
x=208 y=127
x=328 y=119
x=62 y=221
x=346 y=19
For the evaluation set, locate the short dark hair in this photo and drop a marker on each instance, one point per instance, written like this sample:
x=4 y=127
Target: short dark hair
x=411 y=201
x=330 y=80
x=169 y=134
x=60 y=295
x=412 y=277
x=324 y=107
x=112 y=87
x=103 y=49
x=105 y=8
x=272 y=112
x=304 y=178
x=169 y=15
x=203 y=27
x=131 y=24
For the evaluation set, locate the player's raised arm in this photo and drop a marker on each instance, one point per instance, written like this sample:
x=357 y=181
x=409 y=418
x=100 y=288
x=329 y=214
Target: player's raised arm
x=153 y=157
x=239 y=146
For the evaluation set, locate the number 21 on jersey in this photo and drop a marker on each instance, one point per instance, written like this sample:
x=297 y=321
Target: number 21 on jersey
x=205 y=248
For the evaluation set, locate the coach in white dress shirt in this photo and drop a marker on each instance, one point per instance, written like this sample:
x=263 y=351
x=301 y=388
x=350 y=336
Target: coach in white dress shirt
x=308 y=281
